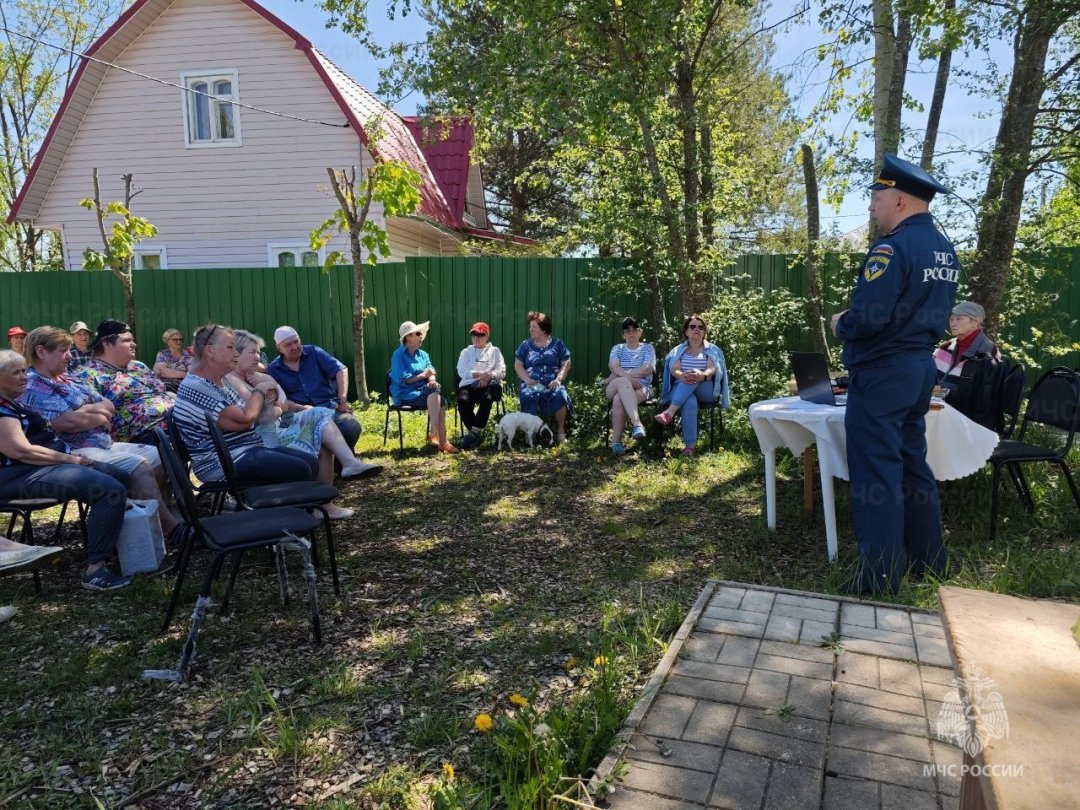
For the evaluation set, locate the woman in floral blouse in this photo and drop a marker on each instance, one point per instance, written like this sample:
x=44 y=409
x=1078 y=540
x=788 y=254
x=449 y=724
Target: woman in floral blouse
x=173 y=362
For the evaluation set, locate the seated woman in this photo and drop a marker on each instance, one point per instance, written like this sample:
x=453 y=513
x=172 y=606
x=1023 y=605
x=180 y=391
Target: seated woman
x=173 y=362
x=543 y=363
x=34 y=463
x=968 y=341
x=481 y=369
x=82 y=417
x=204 y=391
x=309 y=429
x=694 y=373
x=412 y=382
x=632 y=365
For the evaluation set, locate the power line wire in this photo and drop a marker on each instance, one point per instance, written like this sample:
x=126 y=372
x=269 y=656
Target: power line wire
x=167 y=83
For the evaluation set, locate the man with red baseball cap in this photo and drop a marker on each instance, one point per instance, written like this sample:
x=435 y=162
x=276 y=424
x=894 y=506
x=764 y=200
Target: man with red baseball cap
x=481 y=369
x=16 y=336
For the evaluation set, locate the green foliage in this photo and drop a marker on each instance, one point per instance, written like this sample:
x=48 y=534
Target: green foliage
x=392 y=184
x=1031 y=300
x=756 y=330
x=124 y=234
x=590 y=411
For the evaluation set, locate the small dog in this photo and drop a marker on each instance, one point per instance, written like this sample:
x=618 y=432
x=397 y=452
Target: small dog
x=531 y=426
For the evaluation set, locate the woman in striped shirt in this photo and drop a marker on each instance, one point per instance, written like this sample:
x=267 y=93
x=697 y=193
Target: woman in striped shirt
x=632 y=365
x=694 y=374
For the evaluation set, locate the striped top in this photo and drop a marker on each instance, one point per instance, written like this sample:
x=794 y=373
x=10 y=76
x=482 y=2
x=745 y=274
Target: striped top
x=694 y=362
x=629 y=359
x=195 y=398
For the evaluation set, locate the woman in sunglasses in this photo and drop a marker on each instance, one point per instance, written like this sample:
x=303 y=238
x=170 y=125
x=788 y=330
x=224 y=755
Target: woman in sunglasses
x=480 y=369
x=694 y=374
x=632 y=365
x=412 y=382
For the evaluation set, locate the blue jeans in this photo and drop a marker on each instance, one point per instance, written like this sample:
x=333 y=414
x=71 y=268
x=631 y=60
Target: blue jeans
x=278 y=465
x=686 y=397
x=103 y=488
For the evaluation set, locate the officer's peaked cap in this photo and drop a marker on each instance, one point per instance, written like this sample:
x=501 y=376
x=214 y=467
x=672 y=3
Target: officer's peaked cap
x=907 y=177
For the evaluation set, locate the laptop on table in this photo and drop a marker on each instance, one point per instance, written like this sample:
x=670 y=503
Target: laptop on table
x=812 y=376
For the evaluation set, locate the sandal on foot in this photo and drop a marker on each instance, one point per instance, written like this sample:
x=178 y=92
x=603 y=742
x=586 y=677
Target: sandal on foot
x=664 y=418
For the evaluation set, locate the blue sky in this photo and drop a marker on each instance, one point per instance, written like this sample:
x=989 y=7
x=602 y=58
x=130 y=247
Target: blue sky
x=967 y=122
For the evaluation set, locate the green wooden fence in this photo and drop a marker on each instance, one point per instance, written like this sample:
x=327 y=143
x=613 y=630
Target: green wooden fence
x=450 y=292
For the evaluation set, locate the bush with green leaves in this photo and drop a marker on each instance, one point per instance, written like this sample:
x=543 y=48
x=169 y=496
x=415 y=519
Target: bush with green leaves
x=590 y=412
x=756 y=330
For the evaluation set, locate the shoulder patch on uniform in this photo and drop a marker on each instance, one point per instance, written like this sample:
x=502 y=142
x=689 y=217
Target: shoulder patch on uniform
x=884 y=248
x=875 y=266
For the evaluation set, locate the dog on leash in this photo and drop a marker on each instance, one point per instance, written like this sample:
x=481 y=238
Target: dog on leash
x=531 y=426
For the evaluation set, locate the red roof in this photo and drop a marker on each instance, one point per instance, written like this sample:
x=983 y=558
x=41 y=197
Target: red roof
x=443 y=168
x=446 y=144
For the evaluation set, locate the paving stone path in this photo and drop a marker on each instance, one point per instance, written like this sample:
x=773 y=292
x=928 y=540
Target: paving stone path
x=774 y=699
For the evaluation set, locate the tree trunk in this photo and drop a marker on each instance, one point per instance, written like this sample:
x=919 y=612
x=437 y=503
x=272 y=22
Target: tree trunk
x=699 y=282
x=1009 y=165
x=708 y=213
x=129 y=297
x=815 y=311
x=884 y=65
x=937 y=101
x=359 y=369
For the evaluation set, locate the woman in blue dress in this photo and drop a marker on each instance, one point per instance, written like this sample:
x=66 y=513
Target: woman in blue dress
x=542 y=362
x=412 y=382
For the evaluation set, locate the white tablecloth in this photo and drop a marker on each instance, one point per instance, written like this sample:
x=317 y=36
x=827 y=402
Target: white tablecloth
x=956 y=446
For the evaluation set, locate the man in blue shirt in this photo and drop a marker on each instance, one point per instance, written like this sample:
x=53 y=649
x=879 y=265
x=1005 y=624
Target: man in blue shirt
x=310 y=375
x=900 y=309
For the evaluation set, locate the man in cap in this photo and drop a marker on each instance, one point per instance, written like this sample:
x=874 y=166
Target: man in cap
x=310 y=375
x=80 y=352
x=900 y=309
x=16 y=336
x=136 y=392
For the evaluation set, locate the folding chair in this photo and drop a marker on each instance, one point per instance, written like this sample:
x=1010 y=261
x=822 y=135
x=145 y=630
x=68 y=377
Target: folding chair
x=217 y=490
x=714 y=411
x=1011 y=395
x=391 y=407
x=1055 y=404
x=306 y=495
x=24 y=508
x=231 y=533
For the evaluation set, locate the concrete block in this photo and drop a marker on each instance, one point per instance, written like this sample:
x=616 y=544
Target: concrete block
x=902 y=652
x=880 y=699
x=810 y=602
x=819 y=655
x=792 y=788
x=778 y=747
x=623 y=799
x=933 y=651
x=740 y=782
x=760 y=601
x=927 y=619
x=738 y=651
x=908 y=746
x=894 y=797
x=735 y=615
x=856 y=714
x=668 y=716
x=862 y=615
x=810 y=614
x=710 y=723
x=711 y=671
x=767 y=690
x=850 y=794
x=677 y=753
x=810 y=697
x=882 y=768
x=731 y=627
x=702 y=647
x=893 y=619
x=783 y=628
x=718 y=691
x=795 y=666
x=794 y=726
x=727 y=597
x=852 y=631
x=862 y=670
x=815 y=633
x=901 y=677
x=674 y=783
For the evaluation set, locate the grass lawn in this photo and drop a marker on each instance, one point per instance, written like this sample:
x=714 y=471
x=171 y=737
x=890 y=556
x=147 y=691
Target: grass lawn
x=465 y=579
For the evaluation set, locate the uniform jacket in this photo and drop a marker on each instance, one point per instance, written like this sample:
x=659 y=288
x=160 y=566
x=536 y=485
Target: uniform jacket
x=903 y=297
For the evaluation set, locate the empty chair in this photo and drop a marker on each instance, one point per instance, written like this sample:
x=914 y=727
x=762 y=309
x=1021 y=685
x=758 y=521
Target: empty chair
x=1054 y=403
x=231 y=533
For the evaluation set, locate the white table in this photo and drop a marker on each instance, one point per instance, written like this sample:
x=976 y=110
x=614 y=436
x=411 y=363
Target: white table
x=956 y=447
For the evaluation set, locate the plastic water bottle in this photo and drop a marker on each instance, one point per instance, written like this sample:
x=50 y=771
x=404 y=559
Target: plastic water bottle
x=269 y=435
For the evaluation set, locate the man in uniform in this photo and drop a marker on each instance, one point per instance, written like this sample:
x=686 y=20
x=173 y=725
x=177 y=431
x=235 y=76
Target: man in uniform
x=899 y=312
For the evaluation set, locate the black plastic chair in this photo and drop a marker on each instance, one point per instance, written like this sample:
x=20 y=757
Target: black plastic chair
x=391 y=407
x=306 y=495
x=498 y=407
x=217 y=490
x=230 y=533
x=23 y=509
x=713 y=410
x=1054 y=403
x=1011 y=395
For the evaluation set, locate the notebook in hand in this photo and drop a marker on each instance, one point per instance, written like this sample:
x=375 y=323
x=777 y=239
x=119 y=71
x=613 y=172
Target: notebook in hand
x=812 y=376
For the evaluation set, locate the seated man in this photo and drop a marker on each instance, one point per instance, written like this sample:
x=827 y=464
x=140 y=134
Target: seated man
x=310 y=375
x=137 y=394
x=80 y=351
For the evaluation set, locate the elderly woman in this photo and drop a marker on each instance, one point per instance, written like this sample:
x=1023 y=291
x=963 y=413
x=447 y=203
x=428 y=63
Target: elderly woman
x=632 y=365
x=968 y=341
x=694 y=374
x=413 y=382
x=306 y=428
x=173 y=362
x=34 y=463
x=542 y=363
x=480 y=370
x=81 y=417
x=204 y=391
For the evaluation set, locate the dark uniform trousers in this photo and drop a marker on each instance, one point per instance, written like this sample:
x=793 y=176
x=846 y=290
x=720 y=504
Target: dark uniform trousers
x=894 y=497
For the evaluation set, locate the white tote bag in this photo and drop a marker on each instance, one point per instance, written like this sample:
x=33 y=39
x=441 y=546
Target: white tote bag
x=141 y=548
